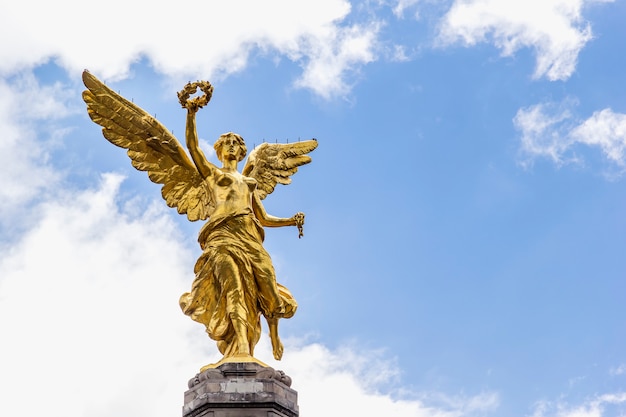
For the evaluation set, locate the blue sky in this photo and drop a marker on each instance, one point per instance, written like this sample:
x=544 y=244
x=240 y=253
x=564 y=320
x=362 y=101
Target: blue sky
x=465 y=230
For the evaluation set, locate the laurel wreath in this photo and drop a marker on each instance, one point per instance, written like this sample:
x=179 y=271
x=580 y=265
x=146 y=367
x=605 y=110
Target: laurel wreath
x=299 y=218
x=191 y=88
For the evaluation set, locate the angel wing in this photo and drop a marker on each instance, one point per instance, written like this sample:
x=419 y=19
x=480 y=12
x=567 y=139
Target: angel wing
x=274 y=163
x=151 y=147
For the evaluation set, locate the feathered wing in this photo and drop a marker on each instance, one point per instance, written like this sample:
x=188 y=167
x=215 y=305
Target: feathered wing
x=151 y=148
x=275 y=163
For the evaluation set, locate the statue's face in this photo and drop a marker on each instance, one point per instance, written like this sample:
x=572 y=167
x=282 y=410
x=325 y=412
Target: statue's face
x=231 y=149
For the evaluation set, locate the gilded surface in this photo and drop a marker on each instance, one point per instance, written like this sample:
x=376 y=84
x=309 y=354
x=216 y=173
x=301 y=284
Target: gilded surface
x=235 y=283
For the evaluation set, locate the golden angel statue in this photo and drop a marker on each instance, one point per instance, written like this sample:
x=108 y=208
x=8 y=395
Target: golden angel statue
x=235 y=282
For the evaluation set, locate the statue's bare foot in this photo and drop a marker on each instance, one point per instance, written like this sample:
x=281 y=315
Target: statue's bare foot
x=277 y=345
x=277 y=348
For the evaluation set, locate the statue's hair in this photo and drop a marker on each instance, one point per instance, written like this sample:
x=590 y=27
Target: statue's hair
x=220 y=142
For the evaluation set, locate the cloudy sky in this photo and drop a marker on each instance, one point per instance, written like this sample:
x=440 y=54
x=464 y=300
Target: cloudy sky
x=466 y=207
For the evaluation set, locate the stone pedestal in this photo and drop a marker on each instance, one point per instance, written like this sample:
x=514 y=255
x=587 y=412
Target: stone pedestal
x=240 y=390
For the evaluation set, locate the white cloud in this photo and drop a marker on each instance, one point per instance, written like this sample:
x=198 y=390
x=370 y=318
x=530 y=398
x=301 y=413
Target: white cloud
x=551 y=130
x=543 y=133
x=188 y=40
x=89 y=320
x=606 y=130
x=594 y=407
x=333 y=55
x=26 y=142
x=555 y=29
x=618 y=370
x=399 y=54
x=403 y=5
x=364 y=383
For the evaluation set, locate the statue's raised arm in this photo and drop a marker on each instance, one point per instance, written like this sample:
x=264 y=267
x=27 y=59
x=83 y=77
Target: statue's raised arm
x=235 y=282
x=192 y=105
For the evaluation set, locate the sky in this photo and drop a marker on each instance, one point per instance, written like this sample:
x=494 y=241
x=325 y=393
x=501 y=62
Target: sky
x=463 y=252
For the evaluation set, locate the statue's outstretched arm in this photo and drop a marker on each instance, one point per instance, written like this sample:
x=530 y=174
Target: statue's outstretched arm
x=267 y=220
